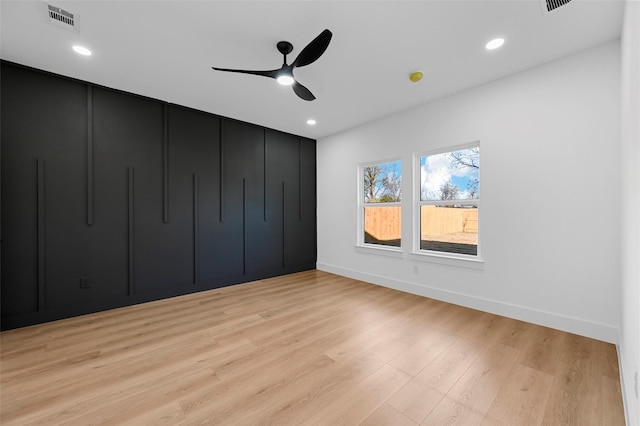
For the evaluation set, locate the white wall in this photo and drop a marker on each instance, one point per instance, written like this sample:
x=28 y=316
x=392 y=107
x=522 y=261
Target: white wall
x=630 y=333
x=550 y=203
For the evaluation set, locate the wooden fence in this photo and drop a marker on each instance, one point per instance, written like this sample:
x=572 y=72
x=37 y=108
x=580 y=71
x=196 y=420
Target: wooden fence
x=447 y=220
x=385 y=223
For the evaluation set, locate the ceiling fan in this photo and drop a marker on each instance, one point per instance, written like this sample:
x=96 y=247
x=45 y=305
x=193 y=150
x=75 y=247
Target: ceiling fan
x=284 y=74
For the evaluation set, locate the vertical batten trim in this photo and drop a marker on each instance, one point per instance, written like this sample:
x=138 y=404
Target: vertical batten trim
x=196 y=277
x=165 y=164
x=264 y=173
x=40 y=217
x=130 y=237
x=299 y=178
x=221 y=170
x=244 y=226
x=89 y=155
x=284 y=251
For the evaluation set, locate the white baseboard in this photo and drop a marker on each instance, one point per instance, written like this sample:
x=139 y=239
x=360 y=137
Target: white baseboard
x=626 y=398
x=578 y=326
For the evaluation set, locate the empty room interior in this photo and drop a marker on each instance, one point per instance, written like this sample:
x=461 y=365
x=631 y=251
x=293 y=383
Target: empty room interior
x=273 y=212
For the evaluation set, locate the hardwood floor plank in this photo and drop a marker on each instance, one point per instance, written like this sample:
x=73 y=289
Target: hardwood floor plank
x=388 y=416
x=516 y=334
x=416 y=400
x=123 y=386
x=522 y=400
x=447 y=368
x=170 y=414
x=418 y=319
x=483 y=380
x=543 y=350
x=300 y=401
x=115 y=343
x=310 y=339
x=607 y=359
x=612 y=409
x=363 y=399
x=452 y=412
x=109 y=364
x=483 y=329
x=475 y=389
x=577 y=388
x=418 y=356
x=160 y=387
x=307 y=348
x=241 y=402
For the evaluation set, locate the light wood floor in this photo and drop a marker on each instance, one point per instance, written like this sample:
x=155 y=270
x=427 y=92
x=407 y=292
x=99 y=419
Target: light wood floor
x=305 y=349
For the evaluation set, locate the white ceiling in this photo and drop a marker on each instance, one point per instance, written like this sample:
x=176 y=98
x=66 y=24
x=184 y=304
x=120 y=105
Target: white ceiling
x=164 y=50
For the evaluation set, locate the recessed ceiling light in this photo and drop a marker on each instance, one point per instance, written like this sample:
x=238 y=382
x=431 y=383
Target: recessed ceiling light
x=82 y=50
x=494 y=44
x=311 y=122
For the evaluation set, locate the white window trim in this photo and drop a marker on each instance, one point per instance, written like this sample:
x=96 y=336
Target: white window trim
x=380 y=250
x=444 y=258
x=361 y=246
x=449 y=259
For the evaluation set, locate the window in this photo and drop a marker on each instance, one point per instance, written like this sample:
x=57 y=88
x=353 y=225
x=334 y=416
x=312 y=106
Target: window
x=448 y=201
x=379 y=205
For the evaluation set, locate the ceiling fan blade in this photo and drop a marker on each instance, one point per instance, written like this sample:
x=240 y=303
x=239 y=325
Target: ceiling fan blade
x=302 y=92
x=313 y=50
x=270 y=73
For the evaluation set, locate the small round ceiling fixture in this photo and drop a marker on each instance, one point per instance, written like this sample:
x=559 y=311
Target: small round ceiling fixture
x=416 y=76
x=311 y=122
x=81 y=50
x=494 y=44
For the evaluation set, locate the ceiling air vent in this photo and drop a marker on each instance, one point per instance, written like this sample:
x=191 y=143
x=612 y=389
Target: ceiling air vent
x=551 y=5
x=62 y=18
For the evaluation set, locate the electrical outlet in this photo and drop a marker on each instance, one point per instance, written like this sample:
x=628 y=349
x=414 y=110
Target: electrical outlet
x=84 y=282
x=416 y=270
x=635 y=383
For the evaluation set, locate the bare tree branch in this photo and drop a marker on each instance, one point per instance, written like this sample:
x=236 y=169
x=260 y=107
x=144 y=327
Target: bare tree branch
x=465 y=158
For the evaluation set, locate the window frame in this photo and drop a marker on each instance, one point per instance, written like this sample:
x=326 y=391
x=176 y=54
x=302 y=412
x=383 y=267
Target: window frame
x=442 y=257
x=361 y=245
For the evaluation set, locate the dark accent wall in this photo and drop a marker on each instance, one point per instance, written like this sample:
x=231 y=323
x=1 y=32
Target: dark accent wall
x=111 y=199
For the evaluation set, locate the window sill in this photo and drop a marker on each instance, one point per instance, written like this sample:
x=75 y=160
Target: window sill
x=380 y=250
x=448 y=259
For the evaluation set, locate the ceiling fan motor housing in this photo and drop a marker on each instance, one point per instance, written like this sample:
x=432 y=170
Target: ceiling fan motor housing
x=284 y=47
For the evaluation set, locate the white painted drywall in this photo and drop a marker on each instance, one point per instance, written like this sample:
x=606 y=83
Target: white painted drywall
x=629 y=344
x=550 y=194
